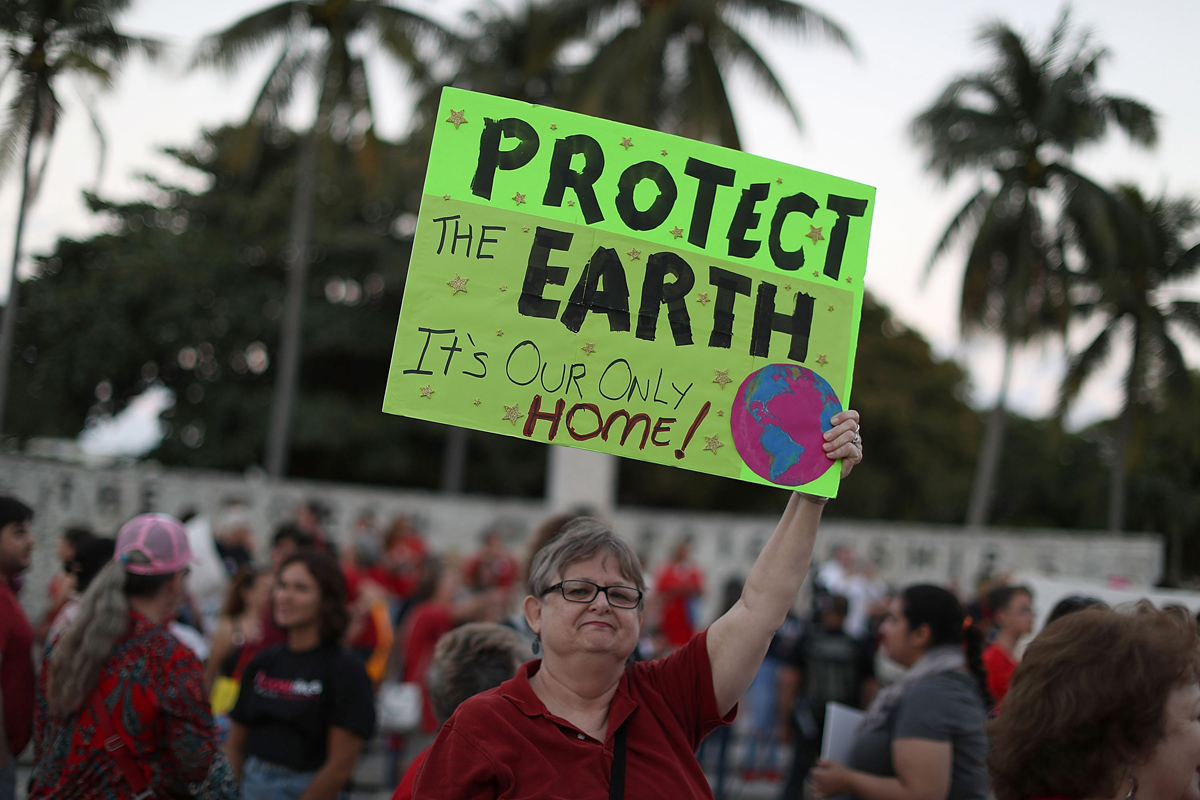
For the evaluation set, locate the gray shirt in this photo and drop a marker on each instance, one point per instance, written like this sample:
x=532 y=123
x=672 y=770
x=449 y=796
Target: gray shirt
x=942 y=708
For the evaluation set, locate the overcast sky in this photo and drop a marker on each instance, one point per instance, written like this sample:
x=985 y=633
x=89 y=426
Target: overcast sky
x=856 y=114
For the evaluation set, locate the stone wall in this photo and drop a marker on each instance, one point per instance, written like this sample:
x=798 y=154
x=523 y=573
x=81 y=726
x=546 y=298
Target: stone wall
x=724 y=544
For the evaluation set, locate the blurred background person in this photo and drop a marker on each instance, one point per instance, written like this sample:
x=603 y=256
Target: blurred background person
x=439 y=606
x=233 y=536
x=237 y=639
x=678 y=586
x=824 y=665
x=117 y=675
x=16 y=642
x=90 y=557
x=492 y=566
x=1012 y=620
x=468 y=660
x=1071 y=604
x=62 y=584
x=922 y=736
x=306 y=706
x=1104 y=705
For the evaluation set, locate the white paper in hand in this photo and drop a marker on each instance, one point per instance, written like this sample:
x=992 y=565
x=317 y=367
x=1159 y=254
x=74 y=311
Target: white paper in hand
x=841 y=729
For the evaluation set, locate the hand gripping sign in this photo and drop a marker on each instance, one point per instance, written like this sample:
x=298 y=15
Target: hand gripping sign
x=596 y=285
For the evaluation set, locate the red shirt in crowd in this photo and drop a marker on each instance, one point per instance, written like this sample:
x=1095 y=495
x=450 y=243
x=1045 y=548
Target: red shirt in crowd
x=404 y=791
x=484 y=570
x=154 y=689
x=16 y=669
x=426 y=624
x=678 y=583
x=1000 y=665
x=505 y=744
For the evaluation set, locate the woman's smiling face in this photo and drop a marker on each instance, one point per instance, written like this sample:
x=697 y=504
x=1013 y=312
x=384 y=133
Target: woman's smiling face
x=567 y=628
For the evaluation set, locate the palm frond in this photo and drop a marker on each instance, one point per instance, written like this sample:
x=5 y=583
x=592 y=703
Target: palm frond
x=1138 y=120
x=970 y=215
x=794 y=17
x=227 y=49
x=1081 y=367
x=731 y=47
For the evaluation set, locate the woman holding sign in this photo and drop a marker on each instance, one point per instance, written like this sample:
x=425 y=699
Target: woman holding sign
x=581 y=723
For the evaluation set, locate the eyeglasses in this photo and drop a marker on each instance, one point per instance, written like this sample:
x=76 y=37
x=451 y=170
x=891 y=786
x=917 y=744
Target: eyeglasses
x=586 y=591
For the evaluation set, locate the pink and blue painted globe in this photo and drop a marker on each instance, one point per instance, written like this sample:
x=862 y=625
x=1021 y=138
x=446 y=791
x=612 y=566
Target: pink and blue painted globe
x=778 y=418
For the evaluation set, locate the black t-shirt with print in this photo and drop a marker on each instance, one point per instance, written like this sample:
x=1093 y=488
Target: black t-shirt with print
x=289 y=700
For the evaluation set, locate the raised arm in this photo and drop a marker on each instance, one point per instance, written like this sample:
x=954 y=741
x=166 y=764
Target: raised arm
x=737 y=642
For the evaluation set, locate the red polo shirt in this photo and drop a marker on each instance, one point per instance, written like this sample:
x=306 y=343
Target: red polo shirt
x=505 y=744
x=16 y=670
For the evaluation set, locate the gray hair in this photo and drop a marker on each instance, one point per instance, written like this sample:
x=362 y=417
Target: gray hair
x=79 y=655
x=87 y=643
x=580 y=540
x=471 y=659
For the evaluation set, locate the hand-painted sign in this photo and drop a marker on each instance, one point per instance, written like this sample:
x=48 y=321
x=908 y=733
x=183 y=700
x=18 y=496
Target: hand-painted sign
x=592 y=284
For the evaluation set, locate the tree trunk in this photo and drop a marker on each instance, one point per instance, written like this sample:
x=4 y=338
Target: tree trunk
x=1116 y=478
x=8 y=322
x=980 y=505
x=297 y=257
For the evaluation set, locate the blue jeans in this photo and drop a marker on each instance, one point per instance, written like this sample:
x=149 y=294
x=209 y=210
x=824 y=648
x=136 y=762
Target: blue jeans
x=262 y=780
x=8 y=778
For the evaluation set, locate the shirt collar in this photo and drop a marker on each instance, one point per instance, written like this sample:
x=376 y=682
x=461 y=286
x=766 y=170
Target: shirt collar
x=518 y=692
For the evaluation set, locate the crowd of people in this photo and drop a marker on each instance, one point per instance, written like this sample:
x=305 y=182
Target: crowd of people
x=570 y=671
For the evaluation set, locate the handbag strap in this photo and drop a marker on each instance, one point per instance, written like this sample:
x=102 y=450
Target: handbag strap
x=116 y=745
x=616 y=779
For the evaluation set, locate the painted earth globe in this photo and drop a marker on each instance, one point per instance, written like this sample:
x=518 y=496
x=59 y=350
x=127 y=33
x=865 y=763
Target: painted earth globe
x=778 y=418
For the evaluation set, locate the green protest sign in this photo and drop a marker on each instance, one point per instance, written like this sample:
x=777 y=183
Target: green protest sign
x=597 y=285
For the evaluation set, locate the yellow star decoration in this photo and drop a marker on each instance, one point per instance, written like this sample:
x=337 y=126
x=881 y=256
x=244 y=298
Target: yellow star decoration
x=712 y=443
x=512 y=413
x=426 y=391
x=553 y=126
x=524 y=229
x=815 y=234
x=504 y=287
x=849 y=279
x=445 y=197
x=635 y=254
x=477 y=401
x=457 y=285
x=816 y=274
x=787 y=287
x=626 y=142
x=570 y=203
x=457 y=117
x=664 y=152
x=702 y=298
x=519 y=198
x=588 y=348
x=499 y=333
x=779 y=181
x=722 y=377
x=831 y=308
x=720 y=413
x=677 y=231
x=822 y=360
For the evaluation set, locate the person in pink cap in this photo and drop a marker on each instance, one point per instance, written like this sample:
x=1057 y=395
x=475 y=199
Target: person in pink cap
x=121 y=708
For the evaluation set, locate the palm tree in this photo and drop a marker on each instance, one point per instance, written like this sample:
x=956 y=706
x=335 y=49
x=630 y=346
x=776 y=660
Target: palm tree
x=46 y=42
x=668 y=69
x=1134 y=248
x=1016 y=126
x=317 y=38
